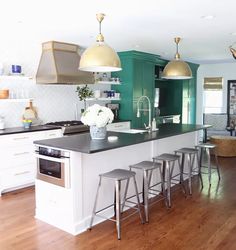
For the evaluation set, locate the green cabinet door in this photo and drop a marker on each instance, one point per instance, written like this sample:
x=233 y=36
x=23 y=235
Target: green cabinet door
x=138 y=79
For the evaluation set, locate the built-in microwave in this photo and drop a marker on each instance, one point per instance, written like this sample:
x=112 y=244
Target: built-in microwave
x=53 y=166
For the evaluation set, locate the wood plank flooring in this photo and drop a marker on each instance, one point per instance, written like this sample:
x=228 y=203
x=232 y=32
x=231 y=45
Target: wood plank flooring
x=207 y=220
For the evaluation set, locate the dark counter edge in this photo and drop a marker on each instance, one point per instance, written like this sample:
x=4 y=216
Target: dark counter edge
x=137 y=139
x=18 y=130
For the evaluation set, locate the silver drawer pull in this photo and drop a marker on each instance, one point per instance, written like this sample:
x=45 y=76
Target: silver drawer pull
x=21 y=138
x=21 y=173
x=23 y=153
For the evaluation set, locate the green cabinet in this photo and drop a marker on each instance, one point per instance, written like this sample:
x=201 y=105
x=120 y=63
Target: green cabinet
x=138 y=79
x=140 y=75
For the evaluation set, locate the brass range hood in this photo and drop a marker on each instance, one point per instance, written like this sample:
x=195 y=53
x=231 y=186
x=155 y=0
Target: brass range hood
x=59 y=65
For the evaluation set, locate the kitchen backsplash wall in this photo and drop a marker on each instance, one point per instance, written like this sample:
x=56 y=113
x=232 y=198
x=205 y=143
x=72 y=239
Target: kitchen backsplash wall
x=53 y=102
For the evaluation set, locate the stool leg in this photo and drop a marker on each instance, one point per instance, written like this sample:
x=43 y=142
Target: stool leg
x=199 y=169
x=138 y=201
x=189 y=173
x=209 y=165
x=145 y=193
x=125 y=194
x=182 y=163
x=168 y=183
x=118 y=220
x=217 y=163
x=181 y=171
x=95 y=203
x=162 y=180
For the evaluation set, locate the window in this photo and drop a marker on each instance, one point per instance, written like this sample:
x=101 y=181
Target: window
x=213 y=95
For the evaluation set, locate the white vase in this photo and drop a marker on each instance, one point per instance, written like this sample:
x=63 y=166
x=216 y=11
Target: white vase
x=98 y=133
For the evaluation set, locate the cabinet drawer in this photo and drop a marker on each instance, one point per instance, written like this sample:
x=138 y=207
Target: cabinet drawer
x=13 y=177
x=52 y=133
x=16 y=156
x=15 y=140
x=118 y=126
x=27 y=138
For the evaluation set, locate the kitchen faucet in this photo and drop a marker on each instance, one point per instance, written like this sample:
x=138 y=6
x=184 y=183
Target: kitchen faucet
x=149 y=127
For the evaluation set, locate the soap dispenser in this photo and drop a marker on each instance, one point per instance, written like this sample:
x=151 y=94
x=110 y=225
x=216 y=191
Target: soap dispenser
x=154 y=124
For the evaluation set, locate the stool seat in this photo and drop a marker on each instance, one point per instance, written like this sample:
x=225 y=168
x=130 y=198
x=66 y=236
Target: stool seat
x=168 y=163
x=190 y=156
x=167 y=157
x=187 y=150
x=209 y=147
x=206 y=145
x=118 y=174
x=146 y=165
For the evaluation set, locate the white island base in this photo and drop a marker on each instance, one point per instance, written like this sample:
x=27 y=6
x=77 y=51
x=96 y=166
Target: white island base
x=70 y=209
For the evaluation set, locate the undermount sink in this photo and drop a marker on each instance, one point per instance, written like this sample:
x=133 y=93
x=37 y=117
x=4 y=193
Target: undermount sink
x=133 y=131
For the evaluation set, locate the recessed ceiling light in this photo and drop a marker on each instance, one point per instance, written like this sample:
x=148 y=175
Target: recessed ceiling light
x=233 y=33
x=207 y=17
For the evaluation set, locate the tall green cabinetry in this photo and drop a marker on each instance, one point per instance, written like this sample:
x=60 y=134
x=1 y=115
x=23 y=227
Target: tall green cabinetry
x=140 y=75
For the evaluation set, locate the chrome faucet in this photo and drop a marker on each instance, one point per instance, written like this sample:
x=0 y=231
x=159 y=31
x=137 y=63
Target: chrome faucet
x=149 y=127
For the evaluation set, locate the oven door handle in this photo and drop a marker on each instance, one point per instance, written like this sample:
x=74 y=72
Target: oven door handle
x=61 y=160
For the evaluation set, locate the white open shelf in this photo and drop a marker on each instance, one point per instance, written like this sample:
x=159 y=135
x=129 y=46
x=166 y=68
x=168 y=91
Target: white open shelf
x=108 y=82
x=15 y=77
x=16 y=100
x=103 y=99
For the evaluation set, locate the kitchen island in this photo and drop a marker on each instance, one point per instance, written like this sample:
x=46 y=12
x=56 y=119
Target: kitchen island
x=69 y=208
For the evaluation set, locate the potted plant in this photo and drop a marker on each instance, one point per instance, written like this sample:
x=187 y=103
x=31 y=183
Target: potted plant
x=84 y=93
x=97 y=117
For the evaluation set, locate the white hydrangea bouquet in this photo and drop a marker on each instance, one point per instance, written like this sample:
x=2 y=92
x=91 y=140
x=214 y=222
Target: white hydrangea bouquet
x=97 y=117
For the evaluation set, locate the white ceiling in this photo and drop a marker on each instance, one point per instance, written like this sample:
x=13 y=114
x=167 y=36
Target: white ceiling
x=148 y=26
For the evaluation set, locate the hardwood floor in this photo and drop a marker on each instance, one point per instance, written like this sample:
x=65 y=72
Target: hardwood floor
x=207 y=220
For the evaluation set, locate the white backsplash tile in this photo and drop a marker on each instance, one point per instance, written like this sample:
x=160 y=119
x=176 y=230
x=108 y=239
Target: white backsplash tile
x=53 y=102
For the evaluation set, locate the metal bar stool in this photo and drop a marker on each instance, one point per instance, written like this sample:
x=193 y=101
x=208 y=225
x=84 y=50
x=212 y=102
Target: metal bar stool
x=192 y=157
x=168 y=163
x=208 y=147
x=117 y=175
x=147 y=167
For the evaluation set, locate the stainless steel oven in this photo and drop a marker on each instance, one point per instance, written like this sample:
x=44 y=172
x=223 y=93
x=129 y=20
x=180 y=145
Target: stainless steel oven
x=53 y=166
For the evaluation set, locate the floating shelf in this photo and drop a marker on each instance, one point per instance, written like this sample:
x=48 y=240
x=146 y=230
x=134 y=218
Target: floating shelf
x=16 y=100
x=103 y=99
x=15 y=77
x=108 y=82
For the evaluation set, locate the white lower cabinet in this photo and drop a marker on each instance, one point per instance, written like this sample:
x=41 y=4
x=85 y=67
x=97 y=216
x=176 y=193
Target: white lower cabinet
x=17 y=160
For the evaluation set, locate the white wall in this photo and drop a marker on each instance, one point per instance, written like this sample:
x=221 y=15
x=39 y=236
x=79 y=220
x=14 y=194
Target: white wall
x=54 y=102
x=225 y=70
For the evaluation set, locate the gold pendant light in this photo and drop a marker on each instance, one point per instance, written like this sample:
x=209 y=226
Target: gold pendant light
x=177 y=69
x=100 y=57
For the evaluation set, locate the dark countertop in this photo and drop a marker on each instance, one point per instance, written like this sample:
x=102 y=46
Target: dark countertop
x=16 y=130
x=84 y=144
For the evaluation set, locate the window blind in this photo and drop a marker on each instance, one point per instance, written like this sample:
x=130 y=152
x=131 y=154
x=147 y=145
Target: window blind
x=213 y=83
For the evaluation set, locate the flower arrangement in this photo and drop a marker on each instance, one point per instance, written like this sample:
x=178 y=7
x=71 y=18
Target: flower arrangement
x=97 y=115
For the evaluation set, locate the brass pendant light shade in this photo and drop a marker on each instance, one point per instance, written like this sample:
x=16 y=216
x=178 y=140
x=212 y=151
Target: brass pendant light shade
x=100 y=57
x=177 y=69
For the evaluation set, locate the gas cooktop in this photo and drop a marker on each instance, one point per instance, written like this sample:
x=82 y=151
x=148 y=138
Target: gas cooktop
x=70 y=127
